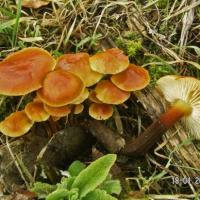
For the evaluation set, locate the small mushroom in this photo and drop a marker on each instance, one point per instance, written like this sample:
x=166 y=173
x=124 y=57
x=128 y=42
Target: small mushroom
x=108 y=93
x=132 y=79
x=183 y=94
x=23 y=72
x=79 y=64
x=57 y=111
x=55 y=119
x=16 y=124
x=111 y=61
x=78 y=109
x=100 y=111
x=60 y=88
x=92 y=97
x=36 y=112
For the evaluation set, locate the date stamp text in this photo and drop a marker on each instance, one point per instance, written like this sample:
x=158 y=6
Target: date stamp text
x=176 y=180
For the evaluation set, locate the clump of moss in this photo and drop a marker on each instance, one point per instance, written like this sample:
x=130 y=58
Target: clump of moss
x=162 y=4
x=157 y=71
x=133 y=47
x=131 y=43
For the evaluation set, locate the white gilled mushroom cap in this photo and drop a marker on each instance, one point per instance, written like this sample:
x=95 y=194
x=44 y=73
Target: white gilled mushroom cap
x=186 y=89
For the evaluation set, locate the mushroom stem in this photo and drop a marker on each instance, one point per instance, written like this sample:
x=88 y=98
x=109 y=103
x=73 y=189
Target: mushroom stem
x=140 y=145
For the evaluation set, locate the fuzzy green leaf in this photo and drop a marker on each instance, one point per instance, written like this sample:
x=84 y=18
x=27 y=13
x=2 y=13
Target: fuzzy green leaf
x=76 y=167
x=59 y=194
x=66 y=182
x=98 y=195
x=43 y=189
x=112 y=186
x=94 y=174
x=63 y=194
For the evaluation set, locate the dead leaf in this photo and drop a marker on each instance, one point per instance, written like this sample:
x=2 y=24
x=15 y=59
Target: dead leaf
x=23 y=195
x=34 y=3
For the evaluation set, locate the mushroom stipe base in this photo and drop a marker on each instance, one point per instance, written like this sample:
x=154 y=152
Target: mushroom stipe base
x=142 y=144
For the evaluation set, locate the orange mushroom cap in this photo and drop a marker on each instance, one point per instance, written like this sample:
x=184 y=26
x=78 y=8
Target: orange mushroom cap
x=60 y=88
x=93 y=97
x=108 y=93
x=35 y=111
x=16 y=124
x=100 y=111
x=23 y=72
x=132 y=79
x=111 y=61
x=79 y=64
x=37 y=98
x=78 y=109
x=57 y=111
x=82 y=97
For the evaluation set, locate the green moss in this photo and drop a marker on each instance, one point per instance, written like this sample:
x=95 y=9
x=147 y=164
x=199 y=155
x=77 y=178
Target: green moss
x=162 y=3
x=131 y=43
x=56 y=53
x=133 y=47
x=157 y=71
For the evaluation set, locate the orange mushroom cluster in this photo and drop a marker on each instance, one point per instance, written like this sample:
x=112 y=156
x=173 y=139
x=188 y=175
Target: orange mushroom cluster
x=61 y=86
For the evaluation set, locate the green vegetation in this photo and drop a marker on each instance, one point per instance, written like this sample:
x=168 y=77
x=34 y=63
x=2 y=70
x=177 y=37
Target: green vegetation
x=84 y=183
